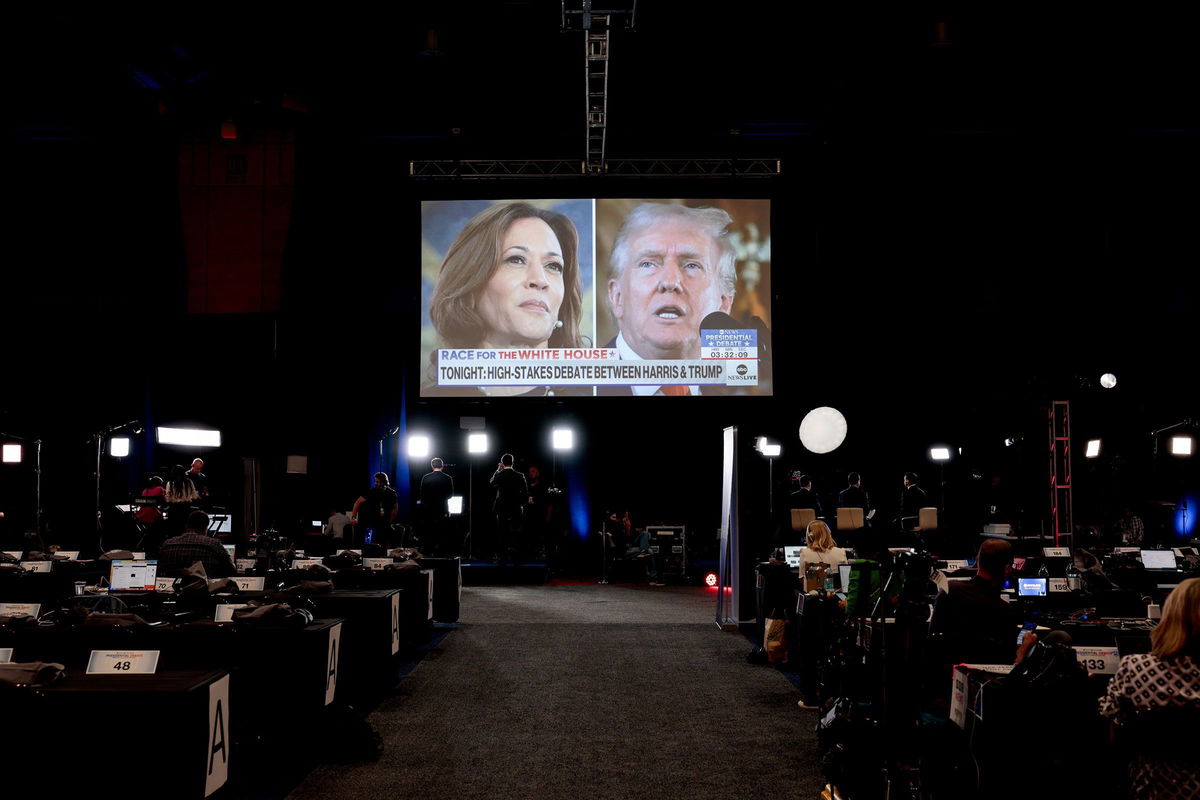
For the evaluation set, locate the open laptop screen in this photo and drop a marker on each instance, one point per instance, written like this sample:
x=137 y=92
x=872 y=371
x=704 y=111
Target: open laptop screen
x=1158 y=559
x=132 y=575
x=1031 y=587
x=792 y=555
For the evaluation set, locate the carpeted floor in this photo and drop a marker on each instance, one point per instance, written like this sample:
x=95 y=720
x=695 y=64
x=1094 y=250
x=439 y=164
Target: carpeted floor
x=586 y=691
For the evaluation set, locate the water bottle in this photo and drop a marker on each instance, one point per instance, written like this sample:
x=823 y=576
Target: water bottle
x=1043 y=571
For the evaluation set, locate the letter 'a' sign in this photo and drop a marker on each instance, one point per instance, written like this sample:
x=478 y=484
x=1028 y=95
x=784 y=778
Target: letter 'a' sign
x=335 y=642
x=217 y=744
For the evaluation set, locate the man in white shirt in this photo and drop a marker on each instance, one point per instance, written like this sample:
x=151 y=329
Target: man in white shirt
x=671 y=266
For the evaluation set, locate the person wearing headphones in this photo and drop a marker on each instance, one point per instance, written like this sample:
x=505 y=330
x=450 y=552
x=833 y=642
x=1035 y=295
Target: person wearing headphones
x=375 y=511
x=821 y=549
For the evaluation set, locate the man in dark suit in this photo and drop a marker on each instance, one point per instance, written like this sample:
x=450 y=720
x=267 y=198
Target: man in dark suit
x=671 y=266
x=911 y=501
x=436 y=489
x=512 y=495
x=805 y=497
x=854 y=496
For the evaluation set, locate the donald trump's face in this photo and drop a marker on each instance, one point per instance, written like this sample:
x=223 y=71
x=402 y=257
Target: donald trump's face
x=667 y=286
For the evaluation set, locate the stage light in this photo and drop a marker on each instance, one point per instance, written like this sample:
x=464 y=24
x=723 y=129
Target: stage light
x=477 y=443
x=189 y=437
x=823 y=430
x=939 y=454
x=1093 y=448
x=1181 y=445
x=118 y=446
x=419 y=446
x=710 y=579
x=229 y=129
x=562 y=439
x=12 y=454
x=759 y=442
x=1108 y=380
x=771 y=450
x=454 y=505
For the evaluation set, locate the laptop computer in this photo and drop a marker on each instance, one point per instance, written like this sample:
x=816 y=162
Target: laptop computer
x=132 y=576
x=1032 y=587
x=1159 y=559
x=792 y=555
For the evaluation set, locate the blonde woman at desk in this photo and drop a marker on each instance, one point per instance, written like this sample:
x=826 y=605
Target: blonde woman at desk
x=822 y=549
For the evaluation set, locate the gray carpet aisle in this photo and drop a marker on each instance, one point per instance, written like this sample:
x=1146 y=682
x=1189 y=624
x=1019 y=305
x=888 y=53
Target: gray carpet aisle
x=586 y=691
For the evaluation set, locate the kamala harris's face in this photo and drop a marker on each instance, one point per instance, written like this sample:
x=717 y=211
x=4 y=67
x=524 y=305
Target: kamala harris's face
x=520 y=302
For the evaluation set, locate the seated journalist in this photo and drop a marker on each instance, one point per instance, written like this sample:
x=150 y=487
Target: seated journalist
x=195 y=544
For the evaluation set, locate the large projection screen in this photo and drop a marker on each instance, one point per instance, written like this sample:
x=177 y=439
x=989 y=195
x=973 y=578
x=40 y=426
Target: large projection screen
x=595 y=297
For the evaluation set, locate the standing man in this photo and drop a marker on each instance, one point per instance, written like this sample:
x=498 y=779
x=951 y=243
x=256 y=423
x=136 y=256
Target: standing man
x=671 y=266
x=436 y=489
x=854 y=496
x=805 y=497
x=911 y=501
x=199 y=480
x=375 y=511
x=512 y=493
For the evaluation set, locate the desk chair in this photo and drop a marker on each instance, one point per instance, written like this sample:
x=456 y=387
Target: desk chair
x=802 y=517
x=849 y=519
x=927 y=519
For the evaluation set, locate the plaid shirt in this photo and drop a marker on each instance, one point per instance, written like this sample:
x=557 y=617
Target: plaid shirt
x=180 y=552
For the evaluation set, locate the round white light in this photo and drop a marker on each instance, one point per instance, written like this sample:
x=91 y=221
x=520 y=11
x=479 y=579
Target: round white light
x=823 y=430
x=1108 y=380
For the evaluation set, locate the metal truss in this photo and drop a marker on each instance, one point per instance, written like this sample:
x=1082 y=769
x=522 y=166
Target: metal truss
x=482 y=169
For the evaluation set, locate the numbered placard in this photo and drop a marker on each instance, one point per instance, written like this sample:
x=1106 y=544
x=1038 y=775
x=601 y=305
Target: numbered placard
x=15 y=553
x=377 y=563
x=123 y=662
x=139 y=555
x=245 y=564
x=1127 y=550
x=1059 y=585
x=956 y=564
x=164 y=584
x=71 y=555
x=305 y=563
x=20 y=609
x=251 y=584
x=6 y=655
x=225 y=611
x=1098 y=660
x=36 y=566
x=1056 y=552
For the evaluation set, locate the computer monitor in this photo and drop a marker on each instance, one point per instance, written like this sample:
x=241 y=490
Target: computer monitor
x=125 y=576
x=1159 y=559
x=792 y=555
x=1032 y=587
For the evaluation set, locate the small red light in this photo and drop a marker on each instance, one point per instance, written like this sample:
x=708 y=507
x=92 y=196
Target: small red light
x=710 y=579
x=229 y=129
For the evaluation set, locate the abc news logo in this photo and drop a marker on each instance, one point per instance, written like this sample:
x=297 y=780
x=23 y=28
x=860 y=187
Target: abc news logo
x=741 y=374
